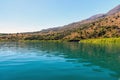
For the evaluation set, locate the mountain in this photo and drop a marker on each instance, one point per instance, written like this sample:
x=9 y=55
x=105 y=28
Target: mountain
x=114 y=10
x=86 y=21
x=96 y=16
x=90 y=19
x=98 y=26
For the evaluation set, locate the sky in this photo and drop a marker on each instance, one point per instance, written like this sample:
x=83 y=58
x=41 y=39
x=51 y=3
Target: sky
x=34 y=15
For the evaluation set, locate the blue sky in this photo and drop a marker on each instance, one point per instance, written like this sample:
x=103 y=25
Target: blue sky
x=34 y=15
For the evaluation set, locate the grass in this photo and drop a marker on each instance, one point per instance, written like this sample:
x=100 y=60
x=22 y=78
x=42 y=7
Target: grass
x=101 y=40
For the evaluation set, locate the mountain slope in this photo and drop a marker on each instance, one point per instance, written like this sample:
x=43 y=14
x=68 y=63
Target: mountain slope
x=97 y=26
x=114 y=10
x=96 y=16
x=89 y=20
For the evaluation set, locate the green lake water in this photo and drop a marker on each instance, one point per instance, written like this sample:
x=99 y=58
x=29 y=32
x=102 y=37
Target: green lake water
x=59 y=61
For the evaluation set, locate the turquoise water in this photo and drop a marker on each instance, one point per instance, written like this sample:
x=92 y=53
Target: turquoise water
x=59 y=61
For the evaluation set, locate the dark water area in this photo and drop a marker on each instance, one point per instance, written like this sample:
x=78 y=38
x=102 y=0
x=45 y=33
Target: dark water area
x=59 y=61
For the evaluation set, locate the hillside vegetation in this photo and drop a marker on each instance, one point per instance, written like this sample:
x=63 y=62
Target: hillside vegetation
x=98 y=26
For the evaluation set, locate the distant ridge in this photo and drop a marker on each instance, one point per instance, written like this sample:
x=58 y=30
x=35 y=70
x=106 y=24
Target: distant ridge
x=114 y=10
x=96 y=16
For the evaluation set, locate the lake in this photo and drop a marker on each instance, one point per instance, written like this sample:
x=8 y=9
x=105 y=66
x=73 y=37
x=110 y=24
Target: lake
x=59 y=61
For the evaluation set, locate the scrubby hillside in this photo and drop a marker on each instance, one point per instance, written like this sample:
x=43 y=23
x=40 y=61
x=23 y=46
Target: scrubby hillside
x=98 y=26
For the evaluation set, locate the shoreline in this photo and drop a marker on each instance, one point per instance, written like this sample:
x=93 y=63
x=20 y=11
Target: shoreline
x=94 y=41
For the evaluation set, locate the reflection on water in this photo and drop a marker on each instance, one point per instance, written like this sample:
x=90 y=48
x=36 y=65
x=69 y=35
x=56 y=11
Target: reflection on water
x=59 y=61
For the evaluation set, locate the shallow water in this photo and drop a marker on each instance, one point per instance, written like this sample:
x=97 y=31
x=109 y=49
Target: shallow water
x=59 y=61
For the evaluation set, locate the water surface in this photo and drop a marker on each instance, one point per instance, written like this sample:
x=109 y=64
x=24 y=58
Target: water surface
x=59 y=61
